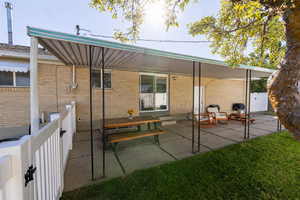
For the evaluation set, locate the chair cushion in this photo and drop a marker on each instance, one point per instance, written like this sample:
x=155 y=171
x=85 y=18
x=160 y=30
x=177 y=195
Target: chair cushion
x=202 y=118
x=220 y=115
x=212 y=109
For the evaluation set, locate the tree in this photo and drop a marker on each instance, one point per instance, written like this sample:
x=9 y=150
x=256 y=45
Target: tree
x=258 y=32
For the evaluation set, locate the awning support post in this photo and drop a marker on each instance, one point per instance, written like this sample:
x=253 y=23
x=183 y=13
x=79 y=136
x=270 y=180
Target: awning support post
x=34 y=92
x=103 y=113
x=91 y=113
x=199 y=103
x=249 y=103
x=193 y=111
x=246 y=105
x=279 y=126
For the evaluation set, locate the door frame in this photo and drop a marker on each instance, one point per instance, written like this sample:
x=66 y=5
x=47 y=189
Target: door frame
x=167 y=91
x=202 y=91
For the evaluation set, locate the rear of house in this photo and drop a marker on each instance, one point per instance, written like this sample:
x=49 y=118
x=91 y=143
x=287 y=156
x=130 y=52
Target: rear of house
x=88 y=75
x=146 y=93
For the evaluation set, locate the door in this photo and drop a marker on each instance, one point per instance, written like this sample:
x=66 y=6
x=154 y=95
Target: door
x=153 y=92
x=196 y=99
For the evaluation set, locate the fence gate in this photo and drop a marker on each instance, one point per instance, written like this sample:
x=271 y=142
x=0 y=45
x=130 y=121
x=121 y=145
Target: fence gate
x=32 y=168
x=259 y=102
x=44 y=176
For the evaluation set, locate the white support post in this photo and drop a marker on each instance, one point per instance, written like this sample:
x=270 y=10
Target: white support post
x=34 y=93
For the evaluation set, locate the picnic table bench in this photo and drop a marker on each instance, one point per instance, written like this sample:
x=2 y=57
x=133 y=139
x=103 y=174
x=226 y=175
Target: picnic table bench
x=115 y=136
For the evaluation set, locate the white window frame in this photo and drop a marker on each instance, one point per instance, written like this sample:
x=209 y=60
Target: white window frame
x=105 y=71
x=167 y=91
x=15 y=82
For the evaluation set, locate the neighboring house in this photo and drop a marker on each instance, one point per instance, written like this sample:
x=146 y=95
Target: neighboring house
x=154 y=93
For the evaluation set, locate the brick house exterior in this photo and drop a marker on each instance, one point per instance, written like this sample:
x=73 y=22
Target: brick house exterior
x=54 y=91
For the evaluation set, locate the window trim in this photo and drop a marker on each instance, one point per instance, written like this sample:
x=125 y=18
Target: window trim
x=105 y=71
x=167 y=91
x=15 y=82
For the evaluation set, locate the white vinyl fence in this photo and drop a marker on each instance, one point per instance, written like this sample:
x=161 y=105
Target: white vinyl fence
x=32 y=168
x=259 y=102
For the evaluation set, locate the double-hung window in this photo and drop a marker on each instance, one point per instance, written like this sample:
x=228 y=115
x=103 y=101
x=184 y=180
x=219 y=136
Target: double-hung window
x=153 y=92
x=14 y=73
x=97 y=79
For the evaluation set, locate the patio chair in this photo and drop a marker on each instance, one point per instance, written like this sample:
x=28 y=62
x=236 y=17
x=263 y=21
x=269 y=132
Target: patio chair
x=206 y=120
x=215 y=112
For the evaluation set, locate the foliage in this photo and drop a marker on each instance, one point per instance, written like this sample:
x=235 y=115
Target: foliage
x=259 y=85
x=244 y=31
x=263 y=168
x=134 y=11
x=244 y=27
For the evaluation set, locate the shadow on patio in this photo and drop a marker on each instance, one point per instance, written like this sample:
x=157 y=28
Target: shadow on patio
x=143 y=153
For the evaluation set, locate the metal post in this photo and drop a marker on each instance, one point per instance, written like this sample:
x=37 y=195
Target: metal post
x=34 y=92
x=280 y=125
x=169 y=92
x=91 y=112
x=193 y=112
x=249 y=103
x=246 y=106
x=199 y=103
x=9 y=8
x=103 y=114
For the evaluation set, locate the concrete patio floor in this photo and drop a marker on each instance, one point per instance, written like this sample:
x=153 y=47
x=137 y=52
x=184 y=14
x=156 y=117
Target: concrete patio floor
x=143 y=153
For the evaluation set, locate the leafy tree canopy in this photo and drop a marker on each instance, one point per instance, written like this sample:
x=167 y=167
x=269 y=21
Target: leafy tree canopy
x=244 y=31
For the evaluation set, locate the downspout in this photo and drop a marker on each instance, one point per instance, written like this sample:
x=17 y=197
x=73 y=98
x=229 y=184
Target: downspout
x=73 y=85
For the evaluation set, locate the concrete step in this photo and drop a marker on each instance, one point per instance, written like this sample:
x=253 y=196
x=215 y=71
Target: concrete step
x=168 y=122
x=166 y=118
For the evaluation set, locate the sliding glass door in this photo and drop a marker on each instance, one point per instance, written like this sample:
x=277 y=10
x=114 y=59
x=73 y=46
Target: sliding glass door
x=153 y=92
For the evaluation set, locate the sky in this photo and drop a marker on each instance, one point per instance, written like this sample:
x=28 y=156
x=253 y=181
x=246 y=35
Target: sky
x=64 y=15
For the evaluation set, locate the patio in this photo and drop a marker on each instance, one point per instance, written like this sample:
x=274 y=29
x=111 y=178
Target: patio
x=182 y=80
x=143 y=153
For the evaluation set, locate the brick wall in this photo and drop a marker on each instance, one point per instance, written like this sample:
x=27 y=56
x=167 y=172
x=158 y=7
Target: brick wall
x=216 y=91
x=54 y=91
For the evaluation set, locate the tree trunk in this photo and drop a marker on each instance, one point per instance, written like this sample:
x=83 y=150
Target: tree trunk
x=282 y=85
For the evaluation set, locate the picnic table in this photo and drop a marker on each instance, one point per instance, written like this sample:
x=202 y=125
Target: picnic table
x=144 y=127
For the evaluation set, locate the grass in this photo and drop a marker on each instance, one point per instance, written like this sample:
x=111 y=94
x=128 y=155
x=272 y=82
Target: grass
x=264 y=168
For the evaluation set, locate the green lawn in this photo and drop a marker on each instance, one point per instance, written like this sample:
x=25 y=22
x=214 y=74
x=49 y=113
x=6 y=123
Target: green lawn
x=264 y=168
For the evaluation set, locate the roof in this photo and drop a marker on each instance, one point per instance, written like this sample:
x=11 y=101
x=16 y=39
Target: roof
x=22 y=52
x=76 y=50
x=21 y=48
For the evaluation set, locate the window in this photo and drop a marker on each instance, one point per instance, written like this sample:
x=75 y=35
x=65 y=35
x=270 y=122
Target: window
x=6 y=78
x=96 y=79
x=153 y=92
x=22 y=79
x=14 y=79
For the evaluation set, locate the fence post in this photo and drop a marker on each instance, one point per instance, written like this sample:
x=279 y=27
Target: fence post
x=61 y=153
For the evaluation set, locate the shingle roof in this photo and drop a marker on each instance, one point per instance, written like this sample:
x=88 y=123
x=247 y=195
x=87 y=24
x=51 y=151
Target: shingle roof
x=21 y=49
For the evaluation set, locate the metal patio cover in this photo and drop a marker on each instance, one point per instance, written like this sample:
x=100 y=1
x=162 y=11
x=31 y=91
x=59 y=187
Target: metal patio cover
x=76 y=50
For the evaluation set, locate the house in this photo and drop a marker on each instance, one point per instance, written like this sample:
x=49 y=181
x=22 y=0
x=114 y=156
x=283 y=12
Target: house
x=100 y=81
x=144 y=88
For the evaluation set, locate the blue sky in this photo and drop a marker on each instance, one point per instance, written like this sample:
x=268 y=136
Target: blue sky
x=63 y=15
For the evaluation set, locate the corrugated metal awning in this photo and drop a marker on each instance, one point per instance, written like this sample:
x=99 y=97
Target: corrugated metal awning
x=76 y=50
x=14 y=66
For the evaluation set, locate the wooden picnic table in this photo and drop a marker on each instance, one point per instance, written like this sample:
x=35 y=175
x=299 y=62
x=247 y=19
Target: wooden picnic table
x=119 y=123
x=114 y=136
x=126 y=122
